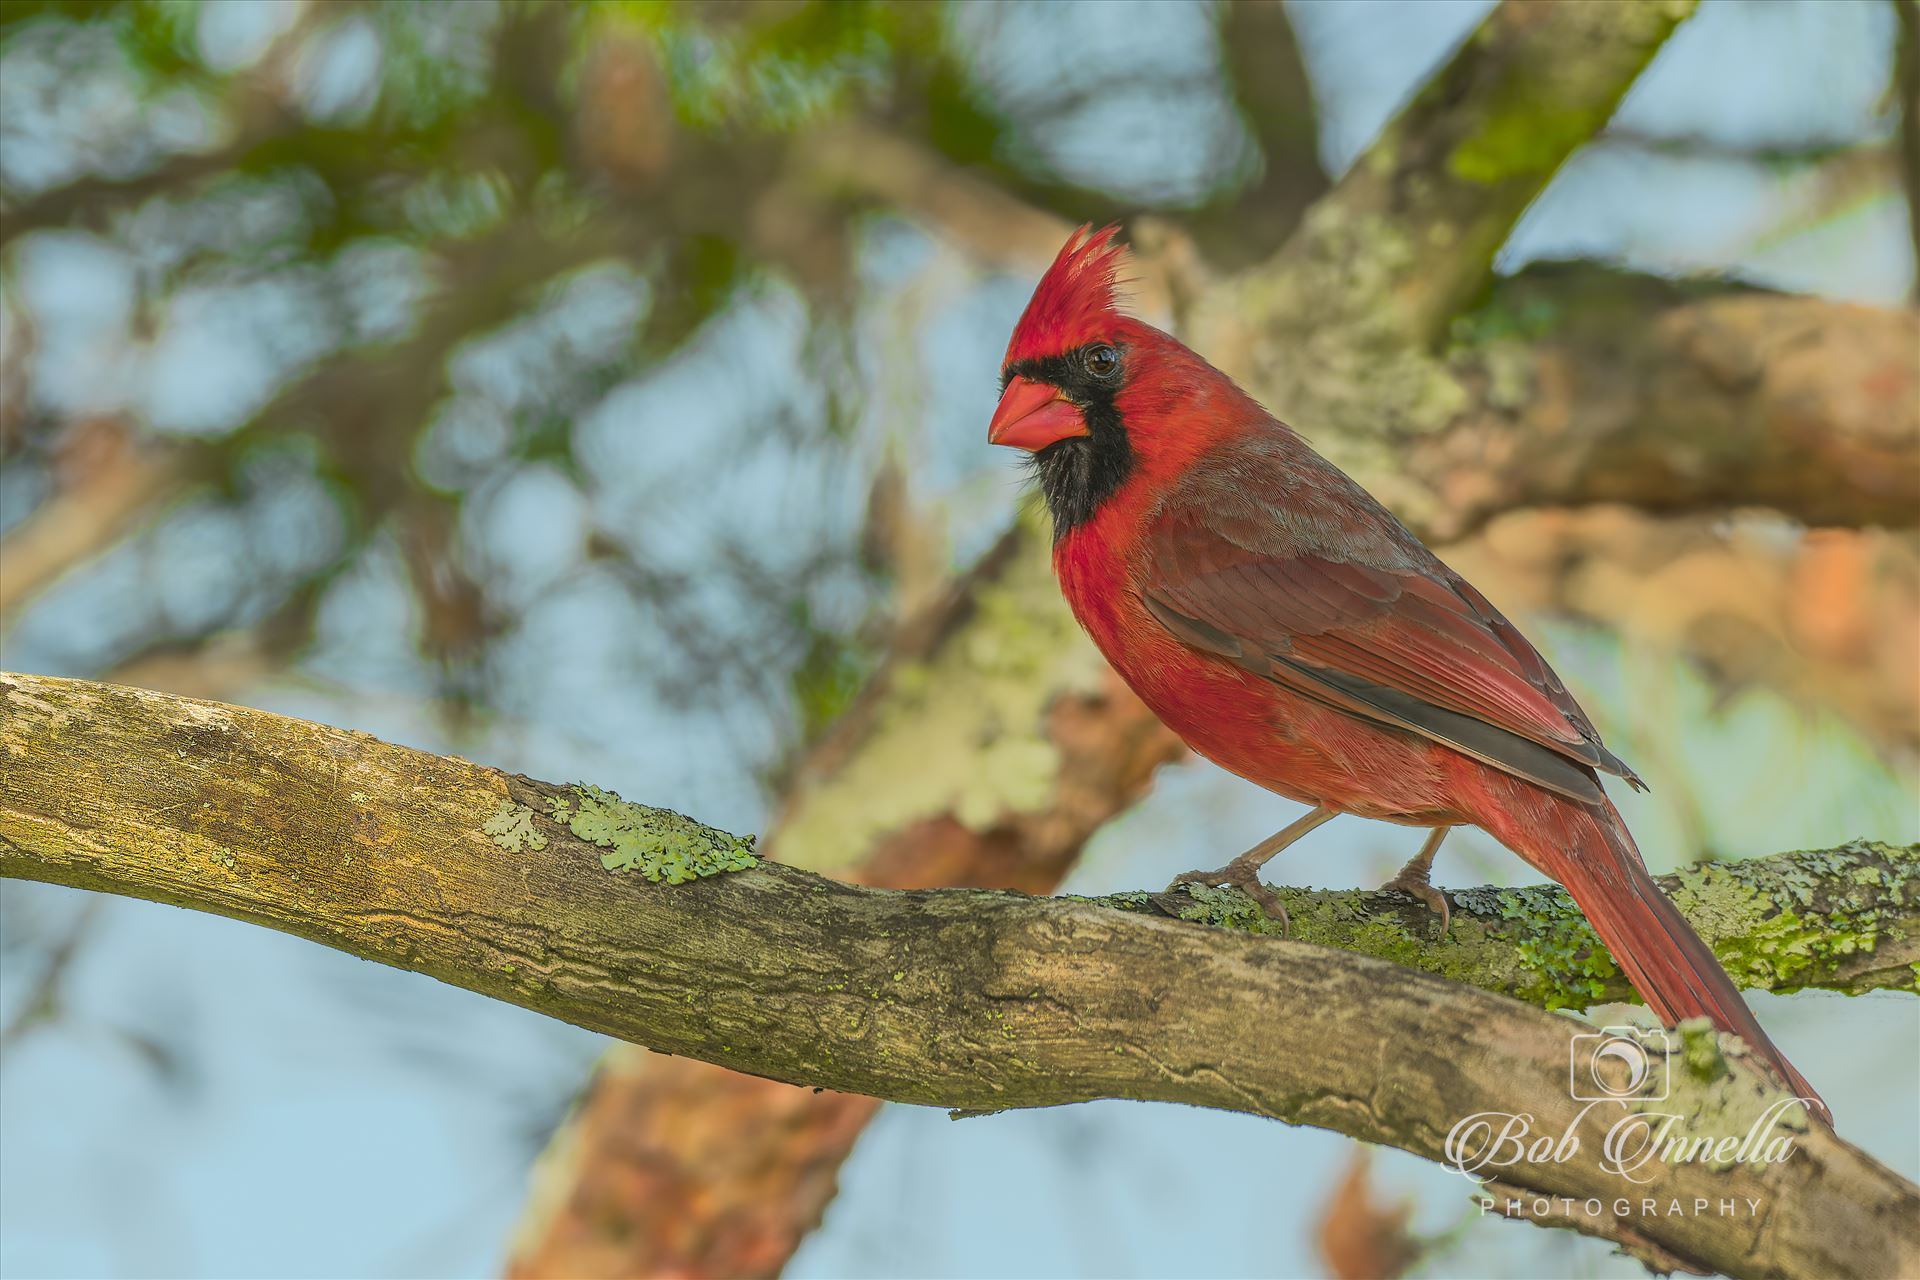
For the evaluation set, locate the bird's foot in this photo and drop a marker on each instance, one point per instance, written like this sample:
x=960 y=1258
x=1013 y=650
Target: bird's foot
x=1412 y=879
x=1245 y=878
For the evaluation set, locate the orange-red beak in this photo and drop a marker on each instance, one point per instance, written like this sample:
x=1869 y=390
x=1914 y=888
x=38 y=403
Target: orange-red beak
x=1033 y=415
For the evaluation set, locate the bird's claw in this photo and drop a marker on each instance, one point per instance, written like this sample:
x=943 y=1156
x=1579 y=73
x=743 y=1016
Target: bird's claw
x=1412 y=879
x=1246 y=880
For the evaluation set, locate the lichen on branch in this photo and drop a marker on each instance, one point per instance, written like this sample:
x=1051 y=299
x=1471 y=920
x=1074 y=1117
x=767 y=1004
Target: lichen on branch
x=956 y=998
x=1844 y=919
x=663 y=846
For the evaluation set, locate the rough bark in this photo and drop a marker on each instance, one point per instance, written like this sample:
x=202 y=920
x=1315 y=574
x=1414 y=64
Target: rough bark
x=1589 y=386
x=1845 y=919
x=959 y=998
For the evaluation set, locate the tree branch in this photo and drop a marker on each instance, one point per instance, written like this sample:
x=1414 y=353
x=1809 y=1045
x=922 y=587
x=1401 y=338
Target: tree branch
x=1588 y=385
x=1407 y=236
x=953 y=998
x=1268 y=77
x=103 y=494
x=1571 y=383
x=859 y=159
x=1339 y=332
x=1906 y=85
x=259 y=117
x=1845 y=919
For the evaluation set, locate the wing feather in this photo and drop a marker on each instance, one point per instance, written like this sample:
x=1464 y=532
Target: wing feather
x=1396 y=638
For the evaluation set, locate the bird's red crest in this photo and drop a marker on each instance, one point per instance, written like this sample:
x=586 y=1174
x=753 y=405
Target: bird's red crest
x=1074 y=299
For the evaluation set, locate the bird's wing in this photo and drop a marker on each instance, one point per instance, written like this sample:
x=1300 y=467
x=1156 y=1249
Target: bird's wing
x=1395 y=638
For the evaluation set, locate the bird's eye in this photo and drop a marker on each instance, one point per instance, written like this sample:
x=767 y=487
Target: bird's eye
x=1101 y=360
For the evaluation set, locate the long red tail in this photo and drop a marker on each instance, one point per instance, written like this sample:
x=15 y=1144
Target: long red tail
x=1673 y=970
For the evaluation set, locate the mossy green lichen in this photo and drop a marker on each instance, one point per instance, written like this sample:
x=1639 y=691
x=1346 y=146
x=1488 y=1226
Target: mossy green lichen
x=1564 y=965
x=661 y=845
x=1524 y=138
x=1532 y=122
x=1777 y=923
x=1700 y=1051
x=1224 y=908
x=1784 y=921
x=511 y=827
x=1530 y=943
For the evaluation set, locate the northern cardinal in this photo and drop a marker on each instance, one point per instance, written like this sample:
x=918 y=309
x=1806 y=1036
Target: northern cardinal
x=1293 y=631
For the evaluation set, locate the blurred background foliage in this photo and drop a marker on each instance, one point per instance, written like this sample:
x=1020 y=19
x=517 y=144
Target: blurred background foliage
x=591 y=388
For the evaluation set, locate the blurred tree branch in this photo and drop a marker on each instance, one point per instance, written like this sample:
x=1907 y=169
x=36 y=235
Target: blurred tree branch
x=259 y=115
x=1406 y=239
x=1359 y=1237
x=221 y=666
x=42 y=1003
x=1828 y=618
x=1269 y=80
x=106 y=484
x=873 y=164
x=1906 y=85
x=955 y=998
x=1586 y=385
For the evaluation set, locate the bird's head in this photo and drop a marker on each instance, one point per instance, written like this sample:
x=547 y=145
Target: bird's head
x=1066 y=358
x=1085 y=388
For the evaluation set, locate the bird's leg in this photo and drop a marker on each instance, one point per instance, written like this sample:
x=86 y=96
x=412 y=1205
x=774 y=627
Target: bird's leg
x=1244 y=871
x=1413 y=878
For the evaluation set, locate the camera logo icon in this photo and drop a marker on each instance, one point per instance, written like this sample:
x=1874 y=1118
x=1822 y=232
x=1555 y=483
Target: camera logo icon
x=1616 y=1063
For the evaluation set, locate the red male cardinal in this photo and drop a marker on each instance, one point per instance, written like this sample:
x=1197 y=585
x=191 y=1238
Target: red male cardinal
x=1290 y=629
